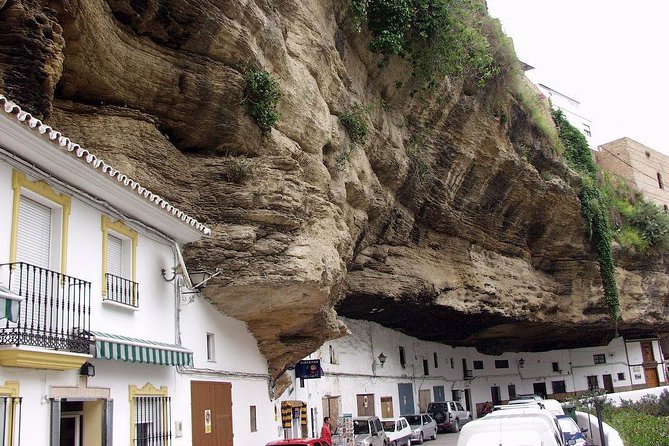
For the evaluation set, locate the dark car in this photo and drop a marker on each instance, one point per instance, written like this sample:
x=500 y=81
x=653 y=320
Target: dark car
x=449 y=415
x=573 y=435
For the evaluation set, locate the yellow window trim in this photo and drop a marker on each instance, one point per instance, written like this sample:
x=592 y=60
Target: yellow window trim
x=125 y=231
x=148 y=390
x=41 y=188
x=11 y=388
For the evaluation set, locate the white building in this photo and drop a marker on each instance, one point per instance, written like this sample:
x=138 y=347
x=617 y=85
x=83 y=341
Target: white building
x=378 y=371
x=103 y=338
x=572 y=110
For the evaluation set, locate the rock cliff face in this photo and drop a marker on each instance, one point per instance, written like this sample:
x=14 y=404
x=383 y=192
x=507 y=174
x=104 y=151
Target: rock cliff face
x=484 y=248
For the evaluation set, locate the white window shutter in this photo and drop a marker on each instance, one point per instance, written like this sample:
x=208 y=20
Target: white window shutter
x=34 y=233
x=114 y=255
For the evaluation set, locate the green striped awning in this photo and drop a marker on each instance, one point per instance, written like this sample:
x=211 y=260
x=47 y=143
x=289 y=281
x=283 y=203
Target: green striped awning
x=9 y=304
x=124 y=348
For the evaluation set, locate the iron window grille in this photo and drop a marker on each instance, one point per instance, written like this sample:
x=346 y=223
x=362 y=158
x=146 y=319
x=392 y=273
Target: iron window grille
x=599 y=358
x=10 y=421
x=153 y=418
x=501 y=363
x=123 y=291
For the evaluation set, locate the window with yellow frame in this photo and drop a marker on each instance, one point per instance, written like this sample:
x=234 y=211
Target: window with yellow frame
x=119 y=255
x=10 y=413
x=150 y=416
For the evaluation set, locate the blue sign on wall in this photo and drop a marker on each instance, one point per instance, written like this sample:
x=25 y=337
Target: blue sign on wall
x=308 y=369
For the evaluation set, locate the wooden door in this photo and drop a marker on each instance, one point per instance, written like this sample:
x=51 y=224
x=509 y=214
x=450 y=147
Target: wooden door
x=386 y=407
x=647 y=352
x=608 y=383
x=424 y=398
x=211 y=413
x=439 y=394
x=652 y=379
x=365 y=405
x=496 y=395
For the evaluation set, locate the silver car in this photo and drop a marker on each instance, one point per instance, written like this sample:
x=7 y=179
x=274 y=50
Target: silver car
x=368 y=431
x=423 y=426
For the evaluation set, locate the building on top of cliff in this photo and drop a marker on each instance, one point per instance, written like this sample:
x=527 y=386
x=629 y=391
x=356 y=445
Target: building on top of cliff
x=642 y=167
x=571 y=108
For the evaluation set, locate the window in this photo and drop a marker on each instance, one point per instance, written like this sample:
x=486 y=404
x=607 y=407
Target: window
x=436 y=361
x=403 y=361
x=599 y=358
x=556 y=367
x=211 y=347
x=426 y=370
x=621 y=377
x=659 y=180
x=512 y=391
x=39 y=224
x=455 y=394
x=501 y=363
x=559 y=387
x=333 y=356
x=151 y=414
x=10 y=413
x=586 y=130
x=119 y=252
x=478 y=365
x=252 y=419
x=593 y=382
x=452 y=362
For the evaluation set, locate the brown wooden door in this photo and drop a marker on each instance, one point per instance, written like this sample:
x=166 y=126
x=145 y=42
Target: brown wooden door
x=386 y=407
x=365 y=405
x=647 y=352
x=652 y=379
x=424 y=398
x=211 y=413
x=608 y=383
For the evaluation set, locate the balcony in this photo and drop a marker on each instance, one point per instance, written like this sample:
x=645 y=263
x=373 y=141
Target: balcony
x=468 y=374
x=53 y=323
x=122 y=291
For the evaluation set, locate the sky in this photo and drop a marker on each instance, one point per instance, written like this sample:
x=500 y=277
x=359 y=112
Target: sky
x=610 y=55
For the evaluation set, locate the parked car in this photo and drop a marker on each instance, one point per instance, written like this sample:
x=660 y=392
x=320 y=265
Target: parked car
x=528 y=396
x=368 y=431
x=299 y=442
x=422 y=426
x=398 y=431
x=573 y=435
x=449 y=415
x=513 y=428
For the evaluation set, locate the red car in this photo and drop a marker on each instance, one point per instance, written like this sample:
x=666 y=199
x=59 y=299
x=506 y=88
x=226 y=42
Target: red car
x=299 y=442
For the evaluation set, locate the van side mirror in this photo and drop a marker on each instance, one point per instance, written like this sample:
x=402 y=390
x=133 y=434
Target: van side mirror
x=585 y=429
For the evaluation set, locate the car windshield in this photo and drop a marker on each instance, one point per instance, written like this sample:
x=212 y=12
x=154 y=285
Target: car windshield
x=388 y=426
x=436 y=406
x=360 y=427
x=414 y=420
x=568 y=425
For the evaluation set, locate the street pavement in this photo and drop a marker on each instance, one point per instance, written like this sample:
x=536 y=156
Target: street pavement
x=445 y=439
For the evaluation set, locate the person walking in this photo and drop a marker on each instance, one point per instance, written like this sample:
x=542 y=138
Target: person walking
x=326 y=435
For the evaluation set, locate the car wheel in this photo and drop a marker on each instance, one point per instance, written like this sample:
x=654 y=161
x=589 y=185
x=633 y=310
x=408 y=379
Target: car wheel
x=421 y=439
x=456 y=426
x=434 y=435
x=409 y=442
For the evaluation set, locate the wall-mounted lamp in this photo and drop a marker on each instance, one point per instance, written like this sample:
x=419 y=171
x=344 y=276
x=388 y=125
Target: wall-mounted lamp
x=87 y=369
x=382 y=359
x=521 y=363
x=175 y=270
x=199 y=279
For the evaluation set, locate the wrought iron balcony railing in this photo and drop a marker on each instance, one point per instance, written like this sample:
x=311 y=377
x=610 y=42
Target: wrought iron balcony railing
x=55 y=313
x=123 y=291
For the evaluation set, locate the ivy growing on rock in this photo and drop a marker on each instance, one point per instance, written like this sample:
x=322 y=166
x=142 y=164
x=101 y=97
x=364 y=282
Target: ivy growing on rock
x=440 y=37
x=594 y=208
x=355 y=123
x=262 y=94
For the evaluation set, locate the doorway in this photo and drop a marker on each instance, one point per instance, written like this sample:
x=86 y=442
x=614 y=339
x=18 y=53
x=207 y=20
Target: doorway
x=496 y=396
x=439 y=394
x=424 y=398
x=652 y=378
x=211 y=413
x=608 y=383
x=468 y=400
x=540 y=389
x=405 y=391
x=365 y=404
x=71 y=423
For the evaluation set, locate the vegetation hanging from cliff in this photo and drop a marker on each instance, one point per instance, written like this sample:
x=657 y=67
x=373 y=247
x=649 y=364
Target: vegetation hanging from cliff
x=440 y=37
x=355 y=123
x=593 y=207
x=638 y=224
x=262 y=94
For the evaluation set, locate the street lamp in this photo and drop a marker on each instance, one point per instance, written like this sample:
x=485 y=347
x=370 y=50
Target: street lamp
x=382 y=359
x=521 y=363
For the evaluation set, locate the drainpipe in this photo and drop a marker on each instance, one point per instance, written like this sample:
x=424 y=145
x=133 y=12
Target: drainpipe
x=629 y=367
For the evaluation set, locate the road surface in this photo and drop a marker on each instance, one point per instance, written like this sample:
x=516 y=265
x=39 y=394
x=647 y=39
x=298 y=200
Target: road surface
x=445 y=439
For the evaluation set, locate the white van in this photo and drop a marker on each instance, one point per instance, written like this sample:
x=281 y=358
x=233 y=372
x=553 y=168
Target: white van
x=553 y=406
x=529 y=427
